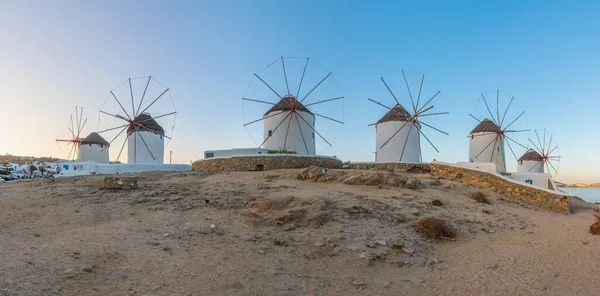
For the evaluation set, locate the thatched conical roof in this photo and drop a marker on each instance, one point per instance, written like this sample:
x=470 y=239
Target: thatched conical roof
x=531 y=155
x=486 y=126
x=94 y=138
x=398 y=113
x=146 y=124
x=285 y=104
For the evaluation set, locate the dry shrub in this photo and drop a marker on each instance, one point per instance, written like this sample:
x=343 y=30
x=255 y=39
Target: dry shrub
x=436 y=202
x=595 y=228
x=435 y=228
x=479 y=197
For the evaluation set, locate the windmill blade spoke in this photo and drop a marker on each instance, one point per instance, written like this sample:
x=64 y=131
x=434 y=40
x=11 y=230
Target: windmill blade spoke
x=395 y=133
x=111 y=129
x=409 y=93
x=286 y=134
x=405 y=142
x=64 y=140
x=552 y=166
x=258 y=101
x=111 y=92
x=315 y=87
x=72 y=128
x=515 y=119
x=265 y=83
x=72 y=134
x=285 y=76
x=148 y=148
x=531 y=168
x=420 y=88
x=338 y=98
x=328 y=118
x=430 y=143
x=151 y=118
x=71 y=151
x=143 y=95
x=488 y=145
x=251 y=122
x=302 y=78
x=423 y=111
x=534 y=145
x=392 y=93
x=372 y=124
x=79 y=122
x=515 y=131
x=511 y=150
x=474 y=117
x=132 y=104
x=549 y=143
x=109 y=143
x=164 y=92
x=121 y=151
x=82 y=126
x=431 y=114
x=382 y=105
x=494 y=148
x=488 y=108
x=313 y=129
x=515 y=142
x=273 y=132
x=115 y=116
x=301 y=134
x=506 y=111
x=544 y=147
x=540 y=142
x=427 y=103
x=498 y=105
x=439 y=130
x=555 y=158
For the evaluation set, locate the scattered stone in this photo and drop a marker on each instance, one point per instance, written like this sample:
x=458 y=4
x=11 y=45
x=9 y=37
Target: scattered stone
x=382 y=242
x=357 y=283
x=166 y=234
x=436 y=261
x=437 y=202
x=118 y=276
x=37 y=234
x=366 y=255
x=315 y=173
x=319 y=243
x=88 y=269
x=409 y=251
x=398 y=263
x=121 y=183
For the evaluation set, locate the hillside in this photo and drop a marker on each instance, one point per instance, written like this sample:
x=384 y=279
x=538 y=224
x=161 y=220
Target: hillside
x=243 y=234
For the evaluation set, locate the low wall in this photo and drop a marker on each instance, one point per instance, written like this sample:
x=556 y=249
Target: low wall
x=265 y=162
x=542 y=198
x=401 y=166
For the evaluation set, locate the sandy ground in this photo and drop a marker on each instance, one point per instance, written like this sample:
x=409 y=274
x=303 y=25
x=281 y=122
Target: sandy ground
x=283 y=236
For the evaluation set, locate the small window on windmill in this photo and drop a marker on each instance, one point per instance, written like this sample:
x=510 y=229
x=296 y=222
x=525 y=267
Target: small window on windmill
x=472 y=136
x=270 y=133
x=313 y=135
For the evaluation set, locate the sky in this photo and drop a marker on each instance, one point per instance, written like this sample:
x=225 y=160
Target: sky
x=55 y=55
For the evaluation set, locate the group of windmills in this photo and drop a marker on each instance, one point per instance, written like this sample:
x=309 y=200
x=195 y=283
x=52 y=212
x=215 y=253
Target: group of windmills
x=125 y=119
x=288 y=97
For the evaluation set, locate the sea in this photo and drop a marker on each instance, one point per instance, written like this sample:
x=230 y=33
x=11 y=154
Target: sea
x=587 y=194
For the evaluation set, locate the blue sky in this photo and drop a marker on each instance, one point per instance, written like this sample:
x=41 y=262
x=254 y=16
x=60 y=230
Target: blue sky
x=55 y=55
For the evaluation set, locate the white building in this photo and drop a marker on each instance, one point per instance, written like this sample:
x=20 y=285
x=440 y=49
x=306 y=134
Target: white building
x=530 y=162
x=291 y=133
x=145 y=141
x=93 y=148
x=487 y=145
x=234 y=152
x=407 y=138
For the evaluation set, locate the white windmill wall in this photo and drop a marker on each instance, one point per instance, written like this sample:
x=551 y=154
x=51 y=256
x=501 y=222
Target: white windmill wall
x=137 y=151
x=392 y=151
x=530 y=166
x=93 y=152
x=494 y=153
x=294 y=140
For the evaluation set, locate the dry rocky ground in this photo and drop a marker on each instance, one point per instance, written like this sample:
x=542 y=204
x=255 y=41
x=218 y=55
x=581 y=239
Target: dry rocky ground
x=246 y=234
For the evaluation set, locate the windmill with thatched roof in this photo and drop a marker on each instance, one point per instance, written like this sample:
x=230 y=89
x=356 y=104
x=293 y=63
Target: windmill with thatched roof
x=93 y=148
x=543 y=159
x=398 y=133
x=289 y=125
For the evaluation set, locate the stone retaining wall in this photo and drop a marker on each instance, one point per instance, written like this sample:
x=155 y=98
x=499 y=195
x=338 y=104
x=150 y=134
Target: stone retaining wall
x=531 y=195
x=259 y=163
x=123 y=183
x=401 y=166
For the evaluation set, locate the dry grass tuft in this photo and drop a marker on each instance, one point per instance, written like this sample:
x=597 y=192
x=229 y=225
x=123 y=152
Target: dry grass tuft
x=434 y=228
x=437 y=202
x=595 y=228
x=480 y=197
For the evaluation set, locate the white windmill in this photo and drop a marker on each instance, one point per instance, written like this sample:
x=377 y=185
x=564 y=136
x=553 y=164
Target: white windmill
x=289 y=125
x=487 y=139
x=139 y=123
x=91 y=148
x=543 y=158
x=398 y=133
